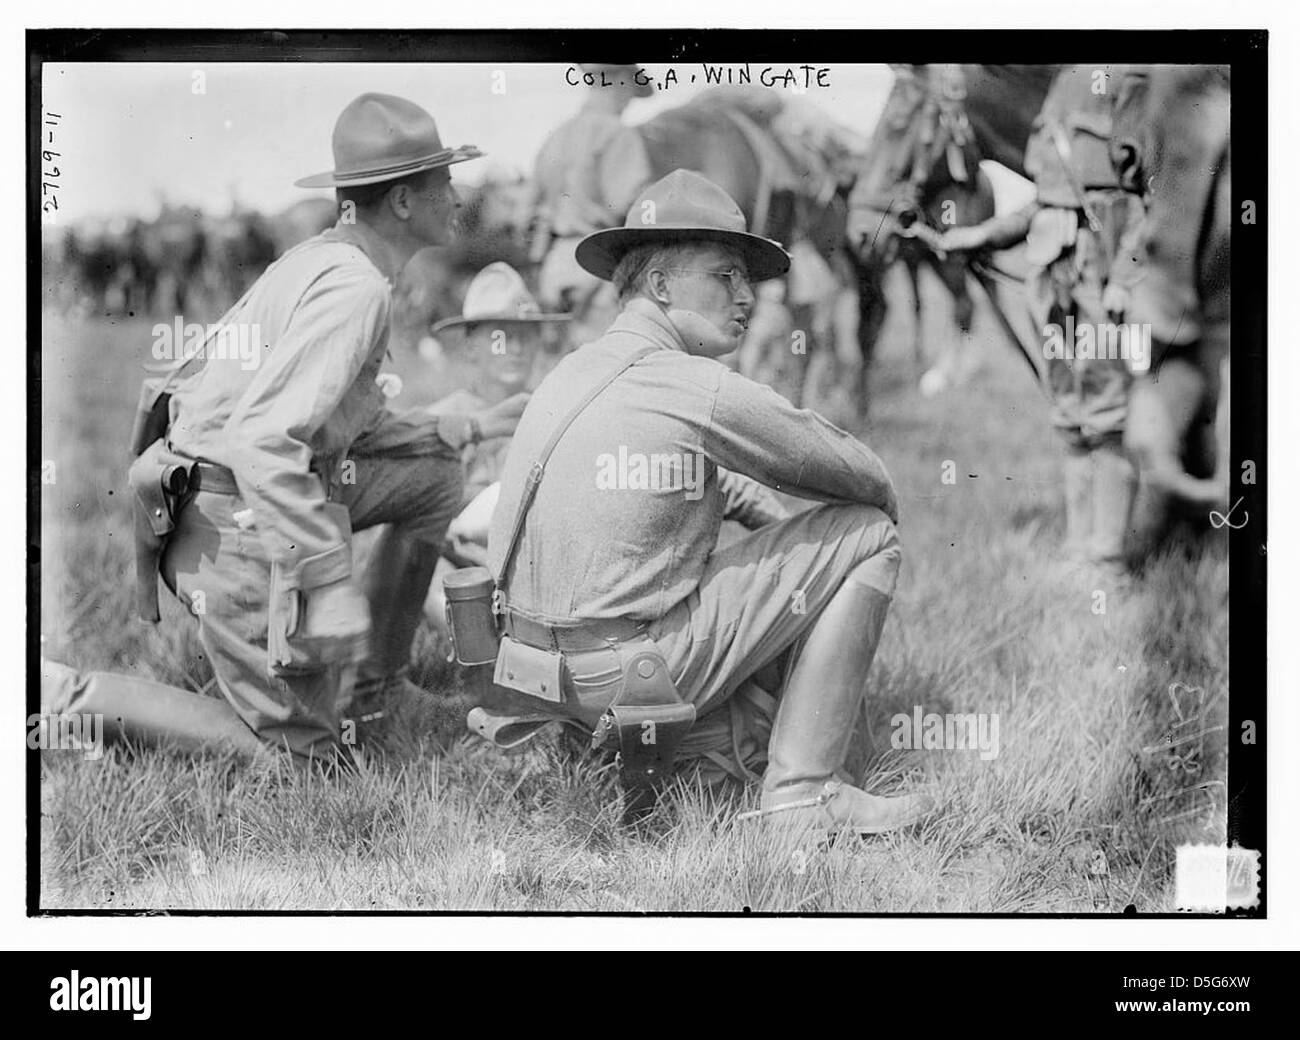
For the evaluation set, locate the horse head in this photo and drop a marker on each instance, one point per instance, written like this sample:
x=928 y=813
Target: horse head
x=1130 y=137
x=923 y=143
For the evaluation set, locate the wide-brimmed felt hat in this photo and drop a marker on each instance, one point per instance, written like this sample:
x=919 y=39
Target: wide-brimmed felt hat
x=633 y=76
x=379 y=137
x=497 y=294
x=686 y=207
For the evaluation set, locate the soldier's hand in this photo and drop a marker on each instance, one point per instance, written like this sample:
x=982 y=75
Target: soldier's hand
x=336 y=621
x=501 y=419
x=1114 y=301
x=964 y=238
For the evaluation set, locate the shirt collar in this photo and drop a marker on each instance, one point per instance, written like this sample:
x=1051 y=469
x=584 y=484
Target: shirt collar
x=643 y=317
x=370 y=243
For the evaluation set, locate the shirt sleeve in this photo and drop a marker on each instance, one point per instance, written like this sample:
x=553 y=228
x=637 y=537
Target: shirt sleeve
x=748 y=502
x=755 y=431
x=1006 y=231
x=414 y=432
x=341 y=321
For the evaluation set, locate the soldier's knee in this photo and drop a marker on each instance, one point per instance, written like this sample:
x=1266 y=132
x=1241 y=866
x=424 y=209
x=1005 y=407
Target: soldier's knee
x=879 y=571
x=442 y=489
x=59 y=686
x=880 y=551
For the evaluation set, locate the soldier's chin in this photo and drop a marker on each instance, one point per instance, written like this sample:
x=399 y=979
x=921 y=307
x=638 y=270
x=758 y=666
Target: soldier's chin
x=511 y=382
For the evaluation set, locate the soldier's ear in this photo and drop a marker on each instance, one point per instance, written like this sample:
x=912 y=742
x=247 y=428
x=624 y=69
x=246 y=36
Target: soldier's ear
x=657 y=283
x=399 y=201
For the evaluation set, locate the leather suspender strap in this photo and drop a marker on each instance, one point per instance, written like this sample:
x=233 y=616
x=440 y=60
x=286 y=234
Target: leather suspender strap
x=1062 y=145
x=539 y=467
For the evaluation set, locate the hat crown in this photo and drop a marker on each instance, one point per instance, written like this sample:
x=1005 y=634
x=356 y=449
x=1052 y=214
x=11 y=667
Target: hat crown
x=498 y=292
x=682 y=207
x=685 y=199
x=381 y=130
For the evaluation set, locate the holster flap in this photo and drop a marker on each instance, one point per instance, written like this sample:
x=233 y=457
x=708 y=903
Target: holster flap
x=645 y=675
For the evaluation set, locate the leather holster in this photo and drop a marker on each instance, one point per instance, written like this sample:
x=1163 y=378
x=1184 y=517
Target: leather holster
x=161 y=482
x=152 y=414
x=646 y=721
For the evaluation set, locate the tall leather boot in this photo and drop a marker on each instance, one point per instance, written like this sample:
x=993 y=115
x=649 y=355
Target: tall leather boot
x=396 y=584
x=146 y=711
x=814 y=724
x=1113 y=490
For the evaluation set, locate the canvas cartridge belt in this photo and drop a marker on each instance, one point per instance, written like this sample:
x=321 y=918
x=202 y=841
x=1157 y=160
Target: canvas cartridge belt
x=644 y=718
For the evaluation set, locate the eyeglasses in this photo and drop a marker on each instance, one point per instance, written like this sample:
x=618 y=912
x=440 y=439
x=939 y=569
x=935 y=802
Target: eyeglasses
x=736 y=278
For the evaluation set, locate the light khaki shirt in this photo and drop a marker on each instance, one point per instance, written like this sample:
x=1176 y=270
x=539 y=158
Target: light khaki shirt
x=592 y=551
x=285 y=420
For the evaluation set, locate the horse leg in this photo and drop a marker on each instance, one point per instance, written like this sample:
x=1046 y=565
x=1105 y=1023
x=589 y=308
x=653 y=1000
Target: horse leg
x=805 y=361
x=914 y=279
x=1223 y=428
x=844 y=336
x=963 y=312
x=956 y=359
x=872 y=308
x=1162 y=408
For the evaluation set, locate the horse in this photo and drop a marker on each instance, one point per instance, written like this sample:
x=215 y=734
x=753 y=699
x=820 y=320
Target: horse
x=302 y=220
x=240 y=246
x=781 y=169
x=174 y=250
x=1171 y=143
x=922 y=172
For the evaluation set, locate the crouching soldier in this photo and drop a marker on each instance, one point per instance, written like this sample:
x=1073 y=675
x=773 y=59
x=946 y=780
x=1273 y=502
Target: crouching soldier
x=1080 y=234
x=617 y=607
x=257 y=475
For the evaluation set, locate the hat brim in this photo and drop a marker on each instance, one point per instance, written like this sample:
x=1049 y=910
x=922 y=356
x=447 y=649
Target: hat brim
x=600 y=252
x=499 y=319
x=391 y=172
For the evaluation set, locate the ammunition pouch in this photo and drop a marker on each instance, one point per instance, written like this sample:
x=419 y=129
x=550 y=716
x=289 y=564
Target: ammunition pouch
x=161 y=481
x=530 y=671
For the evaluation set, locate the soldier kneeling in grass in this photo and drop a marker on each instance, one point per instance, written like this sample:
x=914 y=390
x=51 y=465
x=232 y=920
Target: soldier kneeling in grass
x=250 y=481
x=616 y=606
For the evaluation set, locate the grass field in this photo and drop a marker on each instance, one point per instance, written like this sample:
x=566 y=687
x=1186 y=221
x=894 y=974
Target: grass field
x=1078 y=813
